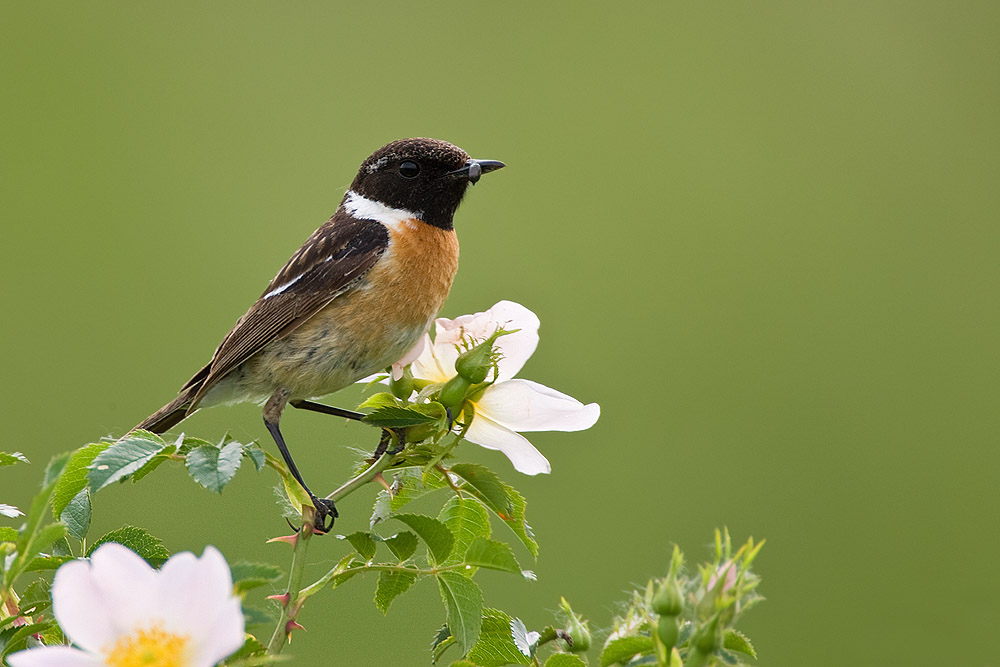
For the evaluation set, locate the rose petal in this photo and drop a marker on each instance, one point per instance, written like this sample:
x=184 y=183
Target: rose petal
x=128 y=586
x=427 y=367
x=221 y=637
x=515 y=348
x=523 y=405
x=193 y=591
x=409 y=358
x=54 y=656
x=487 y=433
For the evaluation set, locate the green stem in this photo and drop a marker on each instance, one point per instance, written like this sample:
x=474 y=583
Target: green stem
x=368 y=475
x=291 y=609
x=318 y=585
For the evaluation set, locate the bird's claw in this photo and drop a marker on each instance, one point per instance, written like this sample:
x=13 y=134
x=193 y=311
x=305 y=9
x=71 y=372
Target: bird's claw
x=324 y=509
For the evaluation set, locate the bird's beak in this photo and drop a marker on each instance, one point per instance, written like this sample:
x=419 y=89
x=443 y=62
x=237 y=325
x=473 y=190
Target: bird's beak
x=473 y=169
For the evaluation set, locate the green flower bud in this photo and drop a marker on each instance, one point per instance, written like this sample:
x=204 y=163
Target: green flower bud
x=454 y=392
x=708 y=638
x=475 y=363
x=668 y=630
x=667 y=601
x=403 y=387
x=578 y=631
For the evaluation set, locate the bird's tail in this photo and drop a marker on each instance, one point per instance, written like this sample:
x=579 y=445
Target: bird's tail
x=176 y=410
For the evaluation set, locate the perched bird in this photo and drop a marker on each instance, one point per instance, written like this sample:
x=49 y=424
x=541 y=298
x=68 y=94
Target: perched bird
x=358 y=294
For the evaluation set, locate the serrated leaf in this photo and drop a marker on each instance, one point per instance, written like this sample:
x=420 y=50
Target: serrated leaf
x=512 y=515
x=390 y=586
x=35 y=598
x=464 y=604
x=8 y=534
x=625 y=648
x=487 y=483
x=496 y=646
x=150 y=548
x=435 y=534
x=73 y=479
x=123 y=458
x=524 y=641
x=251 y=647
x=247 y=576
x=380 y=400
x=402 y=545
x=213 y=467
x=16 y=638
x=468 y=520
x=154 y=463
x=76 y=514
x=29 y=535
x=344 y=563
x=392 y=416
x=493 y=555
x=363 y=543
x=10 y=458
x=256 y=455
x=564 y=660
x=737 y=641
x=185 y=443
x=10 y=511
x=408 y=485
x=42 y=563
x=55 y=468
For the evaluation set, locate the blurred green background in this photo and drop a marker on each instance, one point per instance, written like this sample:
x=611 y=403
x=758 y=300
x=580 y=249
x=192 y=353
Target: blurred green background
x=762 y=235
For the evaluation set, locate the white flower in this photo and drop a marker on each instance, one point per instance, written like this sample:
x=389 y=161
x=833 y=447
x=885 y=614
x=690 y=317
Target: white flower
x=509 y=405
x=121 y=612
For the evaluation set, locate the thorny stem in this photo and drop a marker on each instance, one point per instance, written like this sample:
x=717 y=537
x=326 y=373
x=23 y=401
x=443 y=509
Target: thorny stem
x=296 y=595
x=337 y=571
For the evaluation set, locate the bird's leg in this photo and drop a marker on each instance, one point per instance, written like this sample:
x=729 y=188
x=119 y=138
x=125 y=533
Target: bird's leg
x=327 y=410
x=272 y=415
x=383 y=443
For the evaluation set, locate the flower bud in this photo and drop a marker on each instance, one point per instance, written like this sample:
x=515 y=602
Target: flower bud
x=708 y=638
x=454 y=392
x=475 y=363
x=577 y=629
x=403 y=387
x=667 y=601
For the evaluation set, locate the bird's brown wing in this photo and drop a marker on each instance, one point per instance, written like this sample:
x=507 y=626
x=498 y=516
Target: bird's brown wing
x=327 y=265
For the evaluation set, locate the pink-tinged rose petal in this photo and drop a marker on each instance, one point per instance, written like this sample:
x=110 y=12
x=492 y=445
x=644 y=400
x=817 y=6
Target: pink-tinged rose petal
x=127 y=584
x=523 y=405
x=427 y=367
x=409 y=358
x=515 y=348
x=54 y=656
x=487 y=433
x=80 y=607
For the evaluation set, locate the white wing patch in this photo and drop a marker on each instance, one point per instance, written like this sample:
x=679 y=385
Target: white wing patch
x=279 y=290
x=368 y=209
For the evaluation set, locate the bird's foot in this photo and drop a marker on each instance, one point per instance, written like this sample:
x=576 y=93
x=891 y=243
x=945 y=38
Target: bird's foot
x=325 y=509
x=383 y=443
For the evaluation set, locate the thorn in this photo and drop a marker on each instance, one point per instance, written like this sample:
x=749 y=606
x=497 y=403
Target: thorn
x=283 y=598
x=288 y=539
x=292 y=625
x=381 y=480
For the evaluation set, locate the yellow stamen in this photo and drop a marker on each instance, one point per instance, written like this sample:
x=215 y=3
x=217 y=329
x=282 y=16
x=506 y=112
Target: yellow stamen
x=149 y=648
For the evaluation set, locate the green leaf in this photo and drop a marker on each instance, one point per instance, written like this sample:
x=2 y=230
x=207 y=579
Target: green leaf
x=55 y=467
x=486 y=482
x=564 y=660
x=345 y=562
x=42 y=563
x=520 y=636
x=408 y=485
x=150 y=548
x=73 y=479
x=35 y=598
x=123 y=458
x=154 y=462
x=76 y=514
x=28 y=537
x=8 y=534
x=442 y=642
x=258 y=616
x=391 y=416
x=737 y=641
x=363 y=543
x=402 y=545
x=493 y=555
x=435 y=534
x=255 y=454
x=391 y=585
x=464 y=604
x=9 y=459
x=247 y=576
x=622 y=650
x=511 y=514
x=468 y=520
x=213 y=467
x=496 y=646
x=16 y=638
x=380 y=400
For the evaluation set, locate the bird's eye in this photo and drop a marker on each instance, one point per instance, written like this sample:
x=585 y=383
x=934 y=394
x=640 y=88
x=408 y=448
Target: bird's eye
x=409 y=169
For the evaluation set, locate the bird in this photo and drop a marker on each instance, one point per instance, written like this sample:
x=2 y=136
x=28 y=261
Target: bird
x=354 y=299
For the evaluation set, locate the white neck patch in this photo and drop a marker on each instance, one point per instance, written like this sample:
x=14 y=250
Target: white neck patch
x=369 y=209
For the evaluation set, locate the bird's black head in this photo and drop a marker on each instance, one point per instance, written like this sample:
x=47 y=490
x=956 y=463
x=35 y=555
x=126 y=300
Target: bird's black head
x=425 y=176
